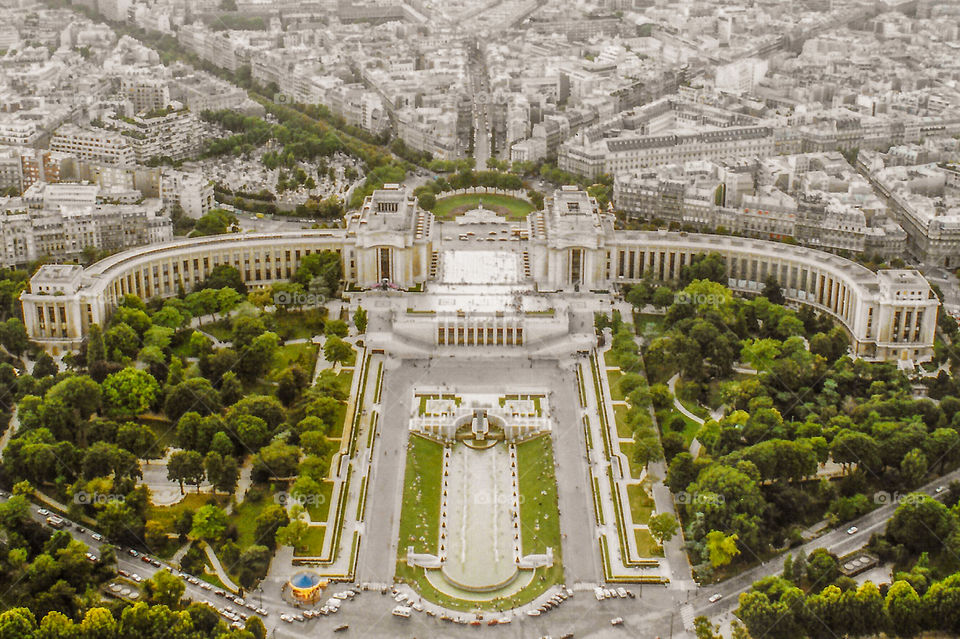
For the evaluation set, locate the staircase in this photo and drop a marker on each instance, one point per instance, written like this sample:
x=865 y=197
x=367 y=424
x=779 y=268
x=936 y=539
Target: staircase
x=434 y=264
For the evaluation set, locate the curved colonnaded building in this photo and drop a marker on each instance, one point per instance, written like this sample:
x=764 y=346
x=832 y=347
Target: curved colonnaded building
x=569 y=246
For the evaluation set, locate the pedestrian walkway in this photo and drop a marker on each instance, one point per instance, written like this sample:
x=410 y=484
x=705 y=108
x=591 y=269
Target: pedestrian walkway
x=221 y=573
x=672 y=385
x=610 y=476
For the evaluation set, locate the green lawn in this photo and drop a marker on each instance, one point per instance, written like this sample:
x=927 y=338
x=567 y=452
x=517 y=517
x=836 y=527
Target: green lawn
x=635 y=469
x=539 y=515
x=514 y=209
x=623 y=429
x=650 y=325
x=647 y=545
x=420 y=518
x=641 y=504
x=304 y=355
x=423 y=401
x=610 y=359
x=213 y=580
x=614 y=377
x=219 y=329
x=690 y=429
x=167 y=515
x=245 y=515
x=345 y=379
x=299 y=324
x=312 y=542
x=321 y=510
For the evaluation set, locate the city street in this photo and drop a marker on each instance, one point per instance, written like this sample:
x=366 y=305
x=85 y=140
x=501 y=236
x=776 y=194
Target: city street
x=656 y=612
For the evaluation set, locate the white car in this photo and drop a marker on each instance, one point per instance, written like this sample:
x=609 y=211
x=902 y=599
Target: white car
x=940 y=489
x=852 y=530
x=616 y=621
x=714 y=598
x=97 y=536
x=533 y=613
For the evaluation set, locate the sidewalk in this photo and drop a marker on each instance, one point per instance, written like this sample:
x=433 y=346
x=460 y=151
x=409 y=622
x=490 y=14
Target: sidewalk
x=602 y=469
x=221 y=573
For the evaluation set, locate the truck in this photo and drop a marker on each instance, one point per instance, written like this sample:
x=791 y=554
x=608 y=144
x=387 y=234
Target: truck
x=55 y=522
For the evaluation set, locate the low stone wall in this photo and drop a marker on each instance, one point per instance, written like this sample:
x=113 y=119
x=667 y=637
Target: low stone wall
x=484 y=190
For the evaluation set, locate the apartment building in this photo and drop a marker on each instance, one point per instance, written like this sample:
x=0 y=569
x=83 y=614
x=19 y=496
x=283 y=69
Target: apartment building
x=98 y=145
x=59 y=221
x=172 y=131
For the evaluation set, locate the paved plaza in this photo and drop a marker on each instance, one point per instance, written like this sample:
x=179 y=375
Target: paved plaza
x=488 y=375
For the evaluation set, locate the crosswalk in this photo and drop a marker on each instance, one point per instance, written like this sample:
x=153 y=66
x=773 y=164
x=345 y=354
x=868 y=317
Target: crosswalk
x=687 y=615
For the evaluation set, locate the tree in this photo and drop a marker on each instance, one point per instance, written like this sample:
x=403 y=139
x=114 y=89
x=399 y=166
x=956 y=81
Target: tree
x=129 y=392
x=270 y=519
x=256 y=358
x=360 y=320
x=822 y=568
x=772 y=291
x=165 y=589
x=427 y=201
x=921 y=523
x=263 y=406
x=943 y=447
x=336 y=350
x=185 y=466
x=291 y=383
x=903 y=608
x=96 y=348
x=213 y=465
x=231 y=390
x=336 y=328
x=913 y=468
x=195 y=394
x=251 y=431
x=278 y=459
x=17 y=623
x=293 y=534
x=121 y=341
x=704 y=629
x=721 y=548
x=209 y=523
x=139 y=439
x=78 y=398
x=13 y=336
x=663 y=526
x=224 y=276
x=681 y=472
